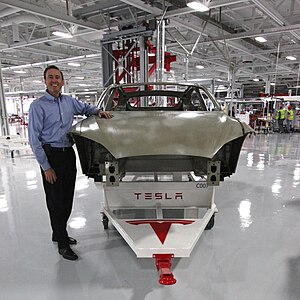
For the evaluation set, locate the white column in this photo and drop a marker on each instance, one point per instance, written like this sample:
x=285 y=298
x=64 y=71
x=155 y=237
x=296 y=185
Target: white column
x=3 y=111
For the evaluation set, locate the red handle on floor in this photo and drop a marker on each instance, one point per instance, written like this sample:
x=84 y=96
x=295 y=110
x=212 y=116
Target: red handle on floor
x=163 y=265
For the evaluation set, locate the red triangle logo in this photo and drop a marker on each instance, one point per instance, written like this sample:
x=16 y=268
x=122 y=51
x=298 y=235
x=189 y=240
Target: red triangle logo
x=160 y=227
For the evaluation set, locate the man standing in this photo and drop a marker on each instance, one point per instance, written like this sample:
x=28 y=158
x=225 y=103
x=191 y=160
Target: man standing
x=50 y=118
x=281 y=117
x=290 y=118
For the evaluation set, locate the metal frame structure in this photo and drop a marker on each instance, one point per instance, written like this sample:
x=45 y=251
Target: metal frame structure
x=222 y=40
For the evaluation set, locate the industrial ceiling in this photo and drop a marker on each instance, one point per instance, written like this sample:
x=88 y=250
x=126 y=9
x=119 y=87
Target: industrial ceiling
x=222 y=40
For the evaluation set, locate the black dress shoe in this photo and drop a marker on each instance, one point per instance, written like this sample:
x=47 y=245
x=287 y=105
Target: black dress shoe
x=67 y=253
x=71 y=241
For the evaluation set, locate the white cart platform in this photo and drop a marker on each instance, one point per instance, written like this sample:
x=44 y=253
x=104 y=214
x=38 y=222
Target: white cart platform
x=160 y=219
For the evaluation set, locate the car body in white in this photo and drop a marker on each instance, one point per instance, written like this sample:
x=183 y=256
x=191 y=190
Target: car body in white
x=159 y=127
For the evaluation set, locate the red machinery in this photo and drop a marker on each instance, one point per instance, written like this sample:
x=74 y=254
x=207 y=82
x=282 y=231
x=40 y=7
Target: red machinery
x=131 y=61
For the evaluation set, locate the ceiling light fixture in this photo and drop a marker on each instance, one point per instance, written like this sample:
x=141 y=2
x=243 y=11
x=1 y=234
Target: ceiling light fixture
x=74 y=64
x=86 y=93
x=260 y=39
x=199 y=67
x=291 y=58
x=196 y=5
x=63 y=34
x=20 y=71
x=79 y=77
x=255 y=79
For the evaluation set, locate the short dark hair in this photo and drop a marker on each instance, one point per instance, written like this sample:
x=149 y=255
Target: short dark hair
x=53 y=67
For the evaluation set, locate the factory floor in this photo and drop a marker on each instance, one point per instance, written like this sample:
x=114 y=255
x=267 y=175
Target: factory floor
x=252 y=252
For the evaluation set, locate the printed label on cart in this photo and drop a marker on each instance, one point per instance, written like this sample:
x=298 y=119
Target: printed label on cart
x=201 y=185
x=158 y=196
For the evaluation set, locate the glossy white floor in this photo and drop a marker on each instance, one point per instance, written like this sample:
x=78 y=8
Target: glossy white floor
x=253 y=251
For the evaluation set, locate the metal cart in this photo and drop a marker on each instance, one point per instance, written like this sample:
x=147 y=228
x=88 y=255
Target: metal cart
x=160 y=216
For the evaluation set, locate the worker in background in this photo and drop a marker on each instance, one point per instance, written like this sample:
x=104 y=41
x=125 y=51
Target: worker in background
x=281 y=118
x=50 y=118
x=290 y=119
x=231 y=112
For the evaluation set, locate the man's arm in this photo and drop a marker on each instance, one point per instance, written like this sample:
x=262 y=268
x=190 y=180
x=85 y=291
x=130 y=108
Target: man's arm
x=88 y=110
x=35 y=125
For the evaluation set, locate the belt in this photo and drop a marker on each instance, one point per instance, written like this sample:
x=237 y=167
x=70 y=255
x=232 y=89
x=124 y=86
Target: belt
x=63 y=149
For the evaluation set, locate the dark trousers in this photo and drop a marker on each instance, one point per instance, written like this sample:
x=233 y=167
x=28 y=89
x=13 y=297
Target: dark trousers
x=280 y=123
x=59 y=195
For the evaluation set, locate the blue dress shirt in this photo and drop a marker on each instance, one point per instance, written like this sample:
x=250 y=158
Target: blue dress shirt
x=49 y=121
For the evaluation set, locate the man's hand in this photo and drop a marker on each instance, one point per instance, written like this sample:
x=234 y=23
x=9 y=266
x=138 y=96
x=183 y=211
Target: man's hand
x=104 y=114
x=50 y=176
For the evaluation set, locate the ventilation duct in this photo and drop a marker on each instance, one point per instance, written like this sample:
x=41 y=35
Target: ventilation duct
x=15 y=32
x=247 y=59
x=23 y=19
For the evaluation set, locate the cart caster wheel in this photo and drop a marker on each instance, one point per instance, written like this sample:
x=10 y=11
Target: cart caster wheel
x=105 y=222
x=211 y=223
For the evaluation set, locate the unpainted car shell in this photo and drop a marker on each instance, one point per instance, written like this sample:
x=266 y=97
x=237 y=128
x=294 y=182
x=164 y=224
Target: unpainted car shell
x=160 y=141
x=141 y=133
